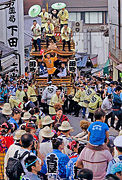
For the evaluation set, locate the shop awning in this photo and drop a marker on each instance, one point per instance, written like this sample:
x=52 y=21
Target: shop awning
x=119 y=67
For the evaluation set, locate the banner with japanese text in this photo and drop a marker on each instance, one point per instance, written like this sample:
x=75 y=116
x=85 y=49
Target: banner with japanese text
x=12 y=25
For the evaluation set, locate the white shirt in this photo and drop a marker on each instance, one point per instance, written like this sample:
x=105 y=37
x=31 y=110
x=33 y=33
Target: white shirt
x=36 y=31
x=46 y=147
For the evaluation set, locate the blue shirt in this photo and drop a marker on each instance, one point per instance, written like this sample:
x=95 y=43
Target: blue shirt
x=12 y=120
x=62 y=162
x=70 y=168
x=121 y=96
x=116 y=160
x=97 y=132
x=30 y=176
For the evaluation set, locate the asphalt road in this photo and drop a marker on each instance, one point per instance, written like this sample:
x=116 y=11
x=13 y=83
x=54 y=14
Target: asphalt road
x=75 y=123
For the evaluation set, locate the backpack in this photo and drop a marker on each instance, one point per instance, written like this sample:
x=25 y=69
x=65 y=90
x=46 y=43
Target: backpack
x=14 y=167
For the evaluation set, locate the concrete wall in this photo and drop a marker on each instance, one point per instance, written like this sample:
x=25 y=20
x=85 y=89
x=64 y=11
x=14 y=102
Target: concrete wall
x=113 y=26
x=93 y=43
x=3 y=26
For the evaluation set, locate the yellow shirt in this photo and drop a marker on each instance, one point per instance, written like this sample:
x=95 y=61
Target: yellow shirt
x=50 y=64
x=65 y=33
x=88 y=94
x=82 y=98
x=55 y=99
x=31 y=94
x=77 y=95
x=18 y=94
x=63 y=16
x=44 y=18
x=22 y=94
x=49 y=29
x=95 y=103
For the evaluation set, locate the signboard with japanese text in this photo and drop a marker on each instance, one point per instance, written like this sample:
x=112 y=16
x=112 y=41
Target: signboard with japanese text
x=12 y=25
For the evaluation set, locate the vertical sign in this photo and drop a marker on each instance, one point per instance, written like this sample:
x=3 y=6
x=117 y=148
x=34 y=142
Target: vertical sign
x=12 y=25
x=15 y=30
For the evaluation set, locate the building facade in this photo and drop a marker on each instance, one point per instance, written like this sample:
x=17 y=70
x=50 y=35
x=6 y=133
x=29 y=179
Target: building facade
x=115 y=36
x=93 y=22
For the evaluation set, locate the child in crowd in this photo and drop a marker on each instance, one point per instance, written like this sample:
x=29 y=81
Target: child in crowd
x=83 y=136
x=98 y=131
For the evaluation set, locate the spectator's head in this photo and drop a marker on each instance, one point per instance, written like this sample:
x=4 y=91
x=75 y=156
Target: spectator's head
x=34 y=22
x=33 y=119
x=32 y=164
x=84 y=124
x=27 y=141
x=65 y=128
x=47 y=121
x=6 y=109
x=47 y=133
x=99 y=115
x=118 y=89
x=118 y=144
x=58 y=143
x=111 y=177
x=5 y=128
x=85 y=174
x=26 y=117
x=30 y=128
x=73 y=146
x=16 y=114
x=18 y=134
x=117 y=170
x=58 y=109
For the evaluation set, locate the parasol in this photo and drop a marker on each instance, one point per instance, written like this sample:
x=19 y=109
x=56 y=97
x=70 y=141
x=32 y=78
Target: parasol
x=34 y=11
x=58 y=5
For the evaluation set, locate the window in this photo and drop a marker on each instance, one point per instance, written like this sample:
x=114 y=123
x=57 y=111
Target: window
x=75 y=16
x=93 y=17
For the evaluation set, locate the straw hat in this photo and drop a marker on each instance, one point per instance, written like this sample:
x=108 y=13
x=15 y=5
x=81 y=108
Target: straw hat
x=46 y=132
x=65 y=126
x=47 y=120
x=6 y=109
x=27 y=116
x=18 y=134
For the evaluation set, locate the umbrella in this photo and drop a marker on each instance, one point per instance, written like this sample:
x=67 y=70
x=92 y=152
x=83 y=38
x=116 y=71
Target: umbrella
x=58 y=5
x=34 y=11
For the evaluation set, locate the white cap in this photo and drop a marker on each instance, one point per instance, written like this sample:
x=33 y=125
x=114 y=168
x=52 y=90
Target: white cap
x=118 y=141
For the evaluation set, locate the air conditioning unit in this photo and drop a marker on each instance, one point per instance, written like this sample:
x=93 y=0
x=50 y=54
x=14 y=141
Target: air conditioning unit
x=103 y=27
x=77 y=26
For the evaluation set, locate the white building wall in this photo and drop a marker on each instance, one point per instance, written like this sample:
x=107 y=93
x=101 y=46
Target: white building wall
x=3 y=25
x=93 y=43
